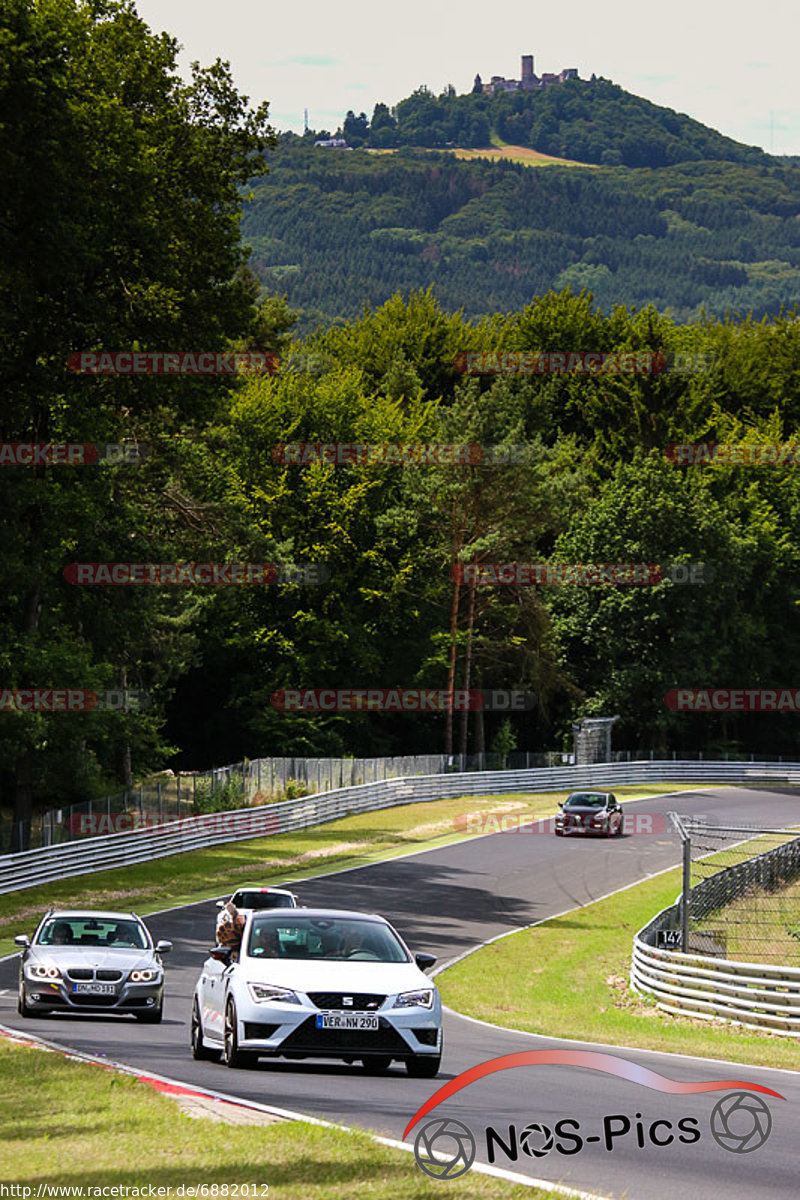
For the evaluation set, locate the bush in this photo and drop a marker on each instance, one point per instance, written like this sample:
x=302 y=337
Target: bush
x=220 y=797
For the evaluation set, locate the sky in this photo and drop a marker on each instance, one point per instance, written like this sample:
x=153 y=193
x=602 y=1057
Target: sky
x=727 y=63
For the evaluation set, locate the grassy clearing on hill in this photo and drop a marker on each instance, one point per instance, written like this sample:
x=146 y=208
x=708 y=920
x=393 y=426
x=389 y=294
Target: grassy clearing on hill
x=521 y=154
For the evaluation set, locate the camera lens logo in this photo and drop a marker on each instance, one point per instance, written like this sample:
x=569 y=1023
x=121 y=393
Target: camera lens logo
x=533 y=1133
x=741 y=1122
x=444 y=1149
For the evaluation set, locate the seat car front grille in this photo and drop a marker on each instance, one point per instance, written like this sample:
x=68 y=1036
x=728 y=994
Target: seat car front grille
x=309 y=1039
x=359 y=1001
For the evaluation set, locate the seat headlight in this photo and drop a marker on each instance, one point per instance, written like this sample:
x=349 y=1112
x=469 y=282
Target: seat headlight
x=40 y=971
x=143 y=975
x=267 y=993
x=421 y=998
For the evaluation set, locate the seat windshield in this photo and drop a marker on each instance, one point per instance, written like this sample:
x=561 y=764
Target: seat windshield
x=329 y=939
x=93 y=931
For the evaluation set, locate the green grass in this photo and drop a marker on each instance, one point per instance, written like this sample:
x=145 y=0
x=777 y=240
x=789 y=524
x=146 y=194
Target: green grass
x=568 y=977
x=69 y=1123
x=763 y=926
x=200 y=874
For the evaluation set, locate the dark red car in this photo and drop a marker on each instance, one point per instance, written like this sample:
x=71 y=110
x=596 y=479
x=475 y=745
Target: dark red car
x=590 y=812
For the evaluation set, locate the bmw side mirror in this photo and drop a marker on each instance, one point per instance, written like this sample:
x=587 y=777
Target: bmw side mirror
x=221 y=903
x=424 y=961
x=220 y=954
x=23 y=940
x=163 y=947
x=561 y=804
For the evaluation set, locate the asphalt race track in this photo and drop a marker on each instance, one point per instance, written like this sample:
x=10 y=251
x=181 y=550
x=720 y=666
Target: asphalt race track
x=446 y=901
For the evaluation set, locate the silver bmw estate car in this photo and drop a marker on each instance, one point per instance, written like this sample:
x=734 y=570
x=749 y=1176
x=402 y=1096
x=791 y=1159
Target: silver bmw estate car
x=84 y=961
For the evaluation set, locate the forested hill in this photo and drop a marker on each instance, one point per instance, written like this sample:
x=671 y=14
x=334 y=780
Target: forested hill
x=335 y=230
x=593 y=121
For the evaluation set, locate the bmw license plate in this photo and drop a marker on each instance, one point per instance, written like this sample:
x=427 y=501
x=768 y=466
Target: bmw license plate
x=347 y=1021
x=95 y=989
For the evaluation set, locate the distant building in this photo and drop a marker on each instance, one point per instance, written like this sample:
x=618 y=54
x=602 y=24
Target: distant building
x=337 y=143
x=529 y=81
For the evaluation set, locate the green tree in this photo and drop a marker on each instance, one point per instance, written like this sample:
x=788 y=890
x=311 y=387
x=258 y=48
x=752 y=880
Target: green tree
x=120 y=229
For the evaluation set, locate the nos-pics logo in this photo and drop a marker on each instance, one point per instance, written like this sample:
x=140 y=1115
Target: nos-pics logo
x=444 y=1148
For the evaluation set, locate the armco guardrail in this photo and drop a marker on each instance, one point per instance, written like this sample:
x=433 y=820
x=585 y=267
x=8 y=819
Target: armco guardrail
x=31 y=867
x=757 y=995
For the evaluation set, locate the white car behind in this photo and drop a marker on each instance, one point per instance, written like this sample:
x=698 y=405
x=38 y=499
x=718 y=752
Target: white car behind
x=319 y=983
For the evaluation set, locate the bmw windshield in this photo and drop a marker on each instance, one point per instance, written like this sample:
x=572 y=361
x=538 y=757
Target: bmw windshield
x=89 y=931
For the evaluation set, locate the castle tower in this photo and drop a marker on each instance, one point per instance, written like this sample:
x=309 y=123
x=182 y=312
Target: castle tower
x=527 y=69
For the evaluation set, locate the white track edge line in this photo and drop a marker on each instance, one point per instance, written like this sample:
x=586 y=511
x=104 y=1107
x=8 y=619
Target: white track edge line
x=480 y=1168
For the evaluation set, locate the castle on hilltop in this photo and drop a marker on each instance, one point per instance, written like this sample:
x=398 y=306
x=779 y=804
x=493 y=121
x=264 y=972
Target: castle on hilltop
x=528 y=83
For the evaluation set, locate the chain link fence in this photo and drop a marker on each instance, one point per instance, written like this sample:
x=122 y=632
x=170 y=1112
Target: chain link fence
x=264 y=780
x=742 y=891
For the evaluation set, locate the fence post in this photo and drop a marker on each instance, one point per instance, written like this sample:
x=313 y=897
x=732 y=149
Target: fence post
x=687 y=883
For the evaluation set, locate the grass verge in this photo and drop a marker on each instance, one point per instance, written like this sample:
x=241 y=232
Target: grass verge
x=568 y=977
x=126 y=1134
x=350 y=842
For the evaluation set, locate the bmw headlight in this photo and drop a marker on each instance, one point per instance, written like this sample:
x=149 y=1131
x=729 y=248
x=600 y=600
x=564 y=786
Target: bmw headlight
x=421 y=998
x=40 y=971
x=267 y=993
x=143 y=975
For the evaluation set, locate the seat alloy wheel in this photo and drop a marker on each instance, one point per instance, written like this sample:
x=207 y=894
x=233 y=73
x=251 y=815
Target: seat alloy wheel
x=199 y=1050
x=232 y=1056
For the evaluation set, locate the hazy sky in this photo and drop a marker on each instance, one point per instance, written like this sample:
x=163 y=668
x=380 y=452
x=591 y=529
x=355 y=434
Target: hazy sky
x=730 y=64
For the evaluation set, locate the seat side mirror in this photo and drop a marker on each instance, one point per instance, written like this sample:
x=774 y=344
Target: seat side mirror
x=220 y=954
x=424 y=961
x=561 y=803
